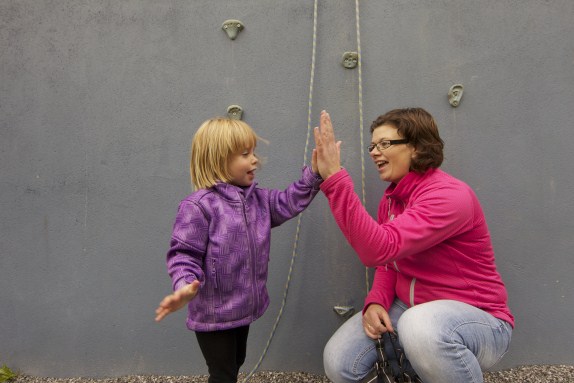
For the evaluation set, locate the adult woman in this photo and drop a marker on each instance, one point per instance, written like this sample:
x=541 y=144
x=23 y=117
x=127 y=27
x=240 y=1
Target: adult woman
x=436 y=281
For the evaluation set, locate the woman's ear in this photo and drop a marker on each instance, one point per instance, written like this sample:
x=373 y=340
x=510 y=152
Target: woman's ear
x=413 y=157
x=413 y=152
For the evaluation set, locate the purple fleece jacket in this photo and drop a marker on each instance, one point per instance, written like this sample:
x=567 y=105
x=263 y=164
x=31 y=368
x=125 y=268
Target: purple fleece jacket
x=221 y=237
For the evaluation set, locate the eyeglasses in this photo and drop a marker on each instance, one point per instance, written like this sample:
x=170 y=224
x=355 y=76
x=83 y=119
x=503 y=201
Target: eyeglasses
x=385 y=144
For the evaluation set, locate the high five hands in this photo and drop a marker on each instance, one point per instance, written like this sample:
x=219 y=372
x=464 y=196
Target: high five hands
x=177 y=300
x=327 y=152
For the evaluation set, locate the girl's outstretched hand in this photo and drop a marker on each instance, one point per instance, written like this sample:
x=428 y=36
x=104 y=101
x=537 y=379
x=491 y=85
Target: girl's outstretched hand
x=314 y=166
x=177 y=300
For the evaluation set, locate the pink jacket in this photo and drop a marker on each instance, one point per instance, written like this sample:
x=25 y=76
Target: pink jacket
x=431 y=241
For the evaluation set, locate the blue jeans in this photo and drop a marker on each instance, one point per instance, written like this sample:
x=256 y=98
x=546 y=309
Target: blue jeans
x=445 y=341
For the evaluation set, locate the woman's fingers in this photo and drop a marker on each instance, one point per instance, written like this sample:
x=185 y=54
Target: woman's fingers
x=372 y=330
x=324 y=132
x=327 y=127
x=328 y=150
x=317 y=136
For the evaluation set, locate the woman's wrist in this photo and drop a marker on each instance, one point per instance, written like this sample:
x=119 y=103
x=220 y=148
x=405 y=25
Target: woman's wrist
x=332 y=172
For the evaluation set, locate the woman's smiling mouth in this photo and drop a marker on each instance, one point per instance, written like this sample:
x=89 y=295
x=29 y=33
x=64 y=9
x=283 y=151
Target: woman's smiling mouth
x=381 y=163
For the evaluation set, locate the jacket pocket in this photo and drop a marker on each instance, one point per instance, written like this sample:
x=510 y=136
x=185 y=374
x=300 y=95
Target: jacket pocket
x=214 y=277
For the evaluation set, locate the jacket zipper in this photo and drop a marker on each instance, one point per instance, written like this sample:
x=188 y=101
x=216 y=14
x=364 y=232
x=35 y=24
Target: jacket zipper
x=214 y=273
x=252 y=259
x=414 y=280
x=392 y=217
x=412 y=292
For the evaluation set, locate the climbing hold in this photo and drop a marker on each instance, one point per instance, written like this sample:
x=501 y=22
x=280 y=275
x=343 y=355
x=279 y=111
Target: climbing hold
x=235 y=112
x=455 y=94
x=232 y=28
x=350 y=59
x=344 y=311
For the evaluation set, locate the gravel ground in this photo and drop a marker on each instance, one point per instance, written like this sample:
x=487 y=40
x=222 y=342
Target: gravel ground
x=523 y=374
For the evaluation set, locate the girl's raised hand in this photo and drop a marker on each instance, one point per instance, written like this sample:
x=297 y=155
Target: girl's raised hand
x=314 y=167
x=177 y=300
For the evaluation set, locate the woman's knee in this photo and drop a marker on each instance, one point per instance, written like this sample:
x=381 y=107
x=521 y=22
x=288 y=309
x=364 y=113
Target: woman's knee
x=420 y=329
x=413 y=324
x=449 y=333
x=331 y=356
x=349 y=354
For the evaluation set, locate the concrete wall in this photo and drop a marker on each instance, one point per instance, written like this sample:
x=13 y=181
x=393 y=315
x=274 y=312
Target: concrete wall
x=98 y=104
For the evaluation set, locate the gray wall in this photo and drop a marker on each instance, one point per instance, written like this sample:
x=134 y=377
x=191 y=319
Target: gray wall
x=98 y=104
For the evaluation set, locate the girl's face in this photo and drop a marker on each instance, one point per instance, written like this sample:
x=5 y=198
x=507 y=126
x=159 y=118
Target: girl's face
x=393 y=162
x=242 y=167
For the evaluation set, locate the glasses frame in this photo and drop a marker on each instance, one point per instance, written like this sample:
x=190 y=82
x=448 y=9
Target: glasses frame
x=385 y=144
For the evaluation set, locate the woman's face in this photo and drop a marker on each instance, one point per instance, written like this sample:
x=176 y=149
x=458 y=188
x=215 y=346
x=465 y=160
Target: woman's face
x=393 y=162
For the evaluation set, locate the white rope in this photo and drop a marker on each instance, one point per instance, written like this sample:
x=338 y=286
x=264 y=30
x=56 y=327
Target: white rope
x=297 y=230
x=359 y=64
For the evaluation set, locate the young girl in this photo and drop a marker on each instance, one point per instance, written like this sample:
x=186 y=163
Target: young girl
x=220 y=243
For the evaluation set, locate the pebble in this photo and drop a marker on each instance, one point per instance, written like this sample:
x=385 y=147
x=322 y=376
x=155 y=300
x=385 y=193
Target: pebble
x=522 y=374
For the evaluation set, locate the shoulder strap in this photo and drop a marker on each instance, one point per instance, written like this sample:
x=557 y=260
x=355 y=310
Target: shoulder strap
x=403 y=375
x=384 y=369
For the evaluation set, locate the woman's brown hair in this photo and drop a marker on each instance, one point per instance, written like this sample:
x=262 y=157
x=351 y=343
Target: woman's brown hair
x=420 y=129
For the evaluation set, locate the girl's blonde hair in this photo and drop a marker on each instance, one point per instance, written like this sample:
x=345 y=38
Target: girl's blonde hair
x=212 y=146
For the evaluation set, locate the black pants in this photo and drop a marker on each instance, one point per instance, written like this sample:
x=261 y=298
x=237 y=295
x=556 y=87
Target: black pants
x=224 y=351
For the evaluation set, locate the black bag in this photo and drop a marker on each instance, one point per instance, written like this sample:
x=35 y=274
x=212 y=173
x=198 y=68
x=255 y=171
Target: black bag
x=387 y=371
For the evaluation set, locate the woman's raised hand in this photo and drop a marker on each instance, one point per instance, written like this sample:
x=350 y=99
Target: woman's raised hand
x=327 y=152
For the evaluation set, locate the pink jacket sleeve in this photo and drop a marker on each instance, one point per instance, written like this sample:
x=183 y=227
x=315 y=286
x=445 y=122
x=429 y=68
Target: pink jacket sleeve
x=437 y=215
x=383 y=290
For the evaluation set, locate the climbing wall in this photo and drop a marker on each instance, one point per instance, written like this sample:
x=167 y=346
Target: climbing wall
x=98 y=104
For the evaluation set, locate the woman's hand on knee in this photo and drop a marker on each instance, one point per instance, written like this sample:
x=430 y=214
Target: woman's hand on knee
x=376 y=321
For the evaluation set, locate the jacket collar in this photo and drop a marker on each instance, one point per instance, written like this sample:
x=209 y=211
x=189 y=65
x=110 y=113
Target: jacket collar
x=233 y=192
x=406 y=186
